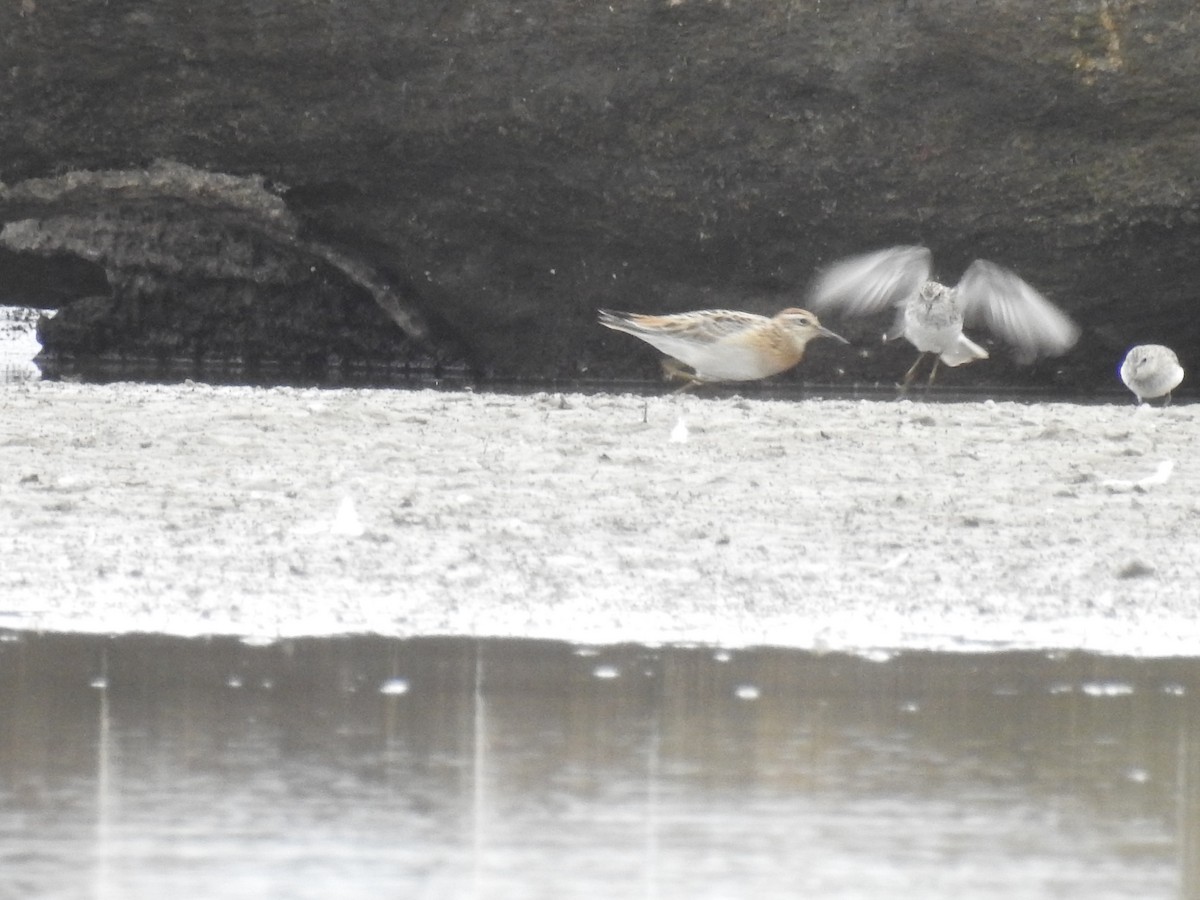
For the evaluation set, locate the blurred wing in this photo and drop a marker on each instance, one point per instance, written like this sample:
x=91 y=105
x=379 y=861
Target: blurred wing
x=1012 y=310
x=862 y=285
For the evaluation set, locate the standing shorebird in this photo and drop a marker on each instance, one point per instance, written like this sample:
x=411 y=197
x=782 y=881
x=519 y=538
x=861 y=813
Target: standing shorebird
x=931 y=316
x=722 y=344
x=1151 y=371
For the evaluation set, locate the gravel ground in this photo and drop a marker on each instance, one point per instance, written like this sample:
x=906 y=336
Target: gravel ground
x=860 y=525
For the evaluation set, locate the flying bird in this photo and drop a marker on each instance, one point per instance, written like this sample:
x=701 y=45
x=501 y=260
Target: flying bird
x=931 y=316
x=722 y=344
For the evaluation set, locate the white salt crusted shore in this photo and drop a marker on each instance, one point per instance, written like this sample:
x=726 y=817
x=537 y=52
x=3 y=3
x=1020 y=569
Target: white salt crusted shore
x=820 y=524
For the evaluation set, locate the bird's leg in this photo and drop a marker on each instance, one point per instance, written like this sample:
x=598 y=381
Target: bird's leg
x=1167 y=401
x=933 y=372
x=911 y=374
x=674 y=370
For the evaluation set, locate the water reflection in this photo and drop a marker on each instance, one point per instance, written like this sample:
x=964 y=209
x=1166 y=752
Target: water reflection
x=140 y=767
x=19 y=344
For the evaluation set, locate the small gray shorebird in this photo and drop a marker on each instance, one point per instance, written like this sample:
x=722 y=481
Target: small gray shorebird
x=723 y=344
x=1151 y=371
x=931 y=316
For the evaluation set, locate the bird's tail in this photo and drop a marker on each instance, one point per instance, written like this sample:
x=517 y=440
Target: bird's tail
x=621 y=321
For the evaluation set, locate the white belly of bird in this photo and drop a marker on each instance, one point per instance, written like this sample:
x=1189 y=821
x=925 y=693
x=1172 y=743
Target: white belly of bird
x=929 y=339
x=1149 y=381
x=731 y=363
x=942 y=336
x=720 y=361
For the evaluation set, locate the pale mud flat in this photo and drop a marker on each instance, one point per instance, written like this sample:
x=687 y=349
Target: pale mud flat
x=822 y=524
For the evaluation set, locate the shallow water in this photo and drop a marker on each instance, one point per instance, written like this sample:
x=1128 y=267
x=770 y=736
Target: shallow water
x=141 y=767
x=19 y=349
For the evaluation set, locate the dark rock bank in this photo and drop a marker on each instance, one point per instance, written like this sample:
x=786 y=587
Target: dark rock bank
x=461 y=184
